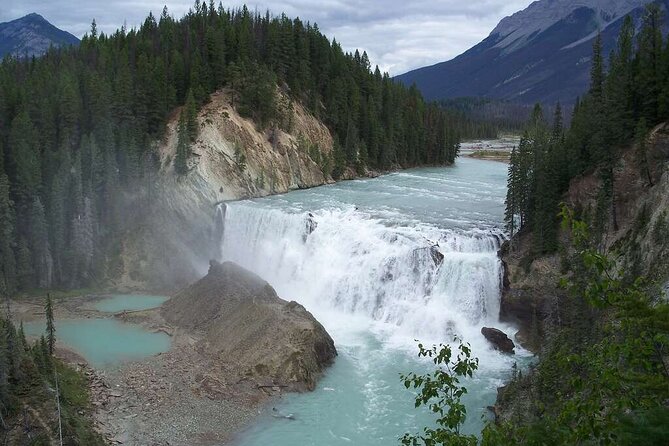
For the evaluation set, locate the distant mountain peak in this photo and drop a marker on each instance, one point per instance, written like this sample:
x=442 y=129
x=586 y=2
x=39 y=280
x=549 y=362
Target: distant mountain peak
x=32 y=15
x=539 y=54
x=32 y=35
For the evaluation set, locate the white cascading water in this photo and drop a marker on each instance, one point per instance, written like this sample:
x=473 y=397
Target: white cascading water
x=380 y=263
x=348 y=261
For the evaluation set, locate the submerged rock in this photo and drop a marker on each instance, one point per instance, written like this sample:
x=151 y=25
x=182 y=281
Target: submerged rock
x=310 y=226
x=245 y=324
x=498 y=339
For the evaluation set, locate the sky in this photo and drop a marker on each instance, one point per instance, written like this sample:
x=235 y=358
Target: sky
x=398 y=35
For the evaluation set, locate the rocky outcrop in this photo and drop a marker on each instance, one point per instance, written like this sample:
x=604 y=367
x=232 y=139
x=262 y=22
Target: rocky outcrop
x=498 y=339
x=244 y=323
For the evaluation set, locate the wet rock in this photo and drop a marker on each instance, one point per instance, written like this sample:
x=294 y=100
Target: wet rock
x=498 y=339
x=311 y=226
x=437 y=256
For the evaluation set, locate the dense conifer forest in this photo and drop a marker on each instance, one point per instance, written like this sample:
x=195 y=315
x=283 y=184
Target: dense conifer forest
x=79 y=126
x=485 y=118
x=629 y=95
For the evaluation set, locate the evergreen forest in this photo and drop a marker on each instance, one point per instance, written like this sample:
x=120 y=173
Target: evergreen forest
x=629 y=95
x=79 y=126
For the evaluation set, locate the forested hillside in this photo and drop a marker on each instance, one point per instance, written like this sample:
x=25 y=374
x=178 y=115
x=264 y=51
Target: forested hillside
x=480 y=118
x=625 y=101
x=79 y=126
x=587 y=295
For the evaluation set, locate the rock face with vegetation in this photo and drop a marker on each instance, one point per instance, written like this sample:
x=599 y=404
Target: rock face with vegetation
x=231 y=158
x=246 y=324
x=587 y=292
x=639 y=236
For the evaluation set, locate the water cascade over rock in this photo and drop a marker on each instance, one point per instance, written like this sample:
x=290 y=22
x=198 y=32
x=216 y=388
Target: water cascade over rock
x=429 y=282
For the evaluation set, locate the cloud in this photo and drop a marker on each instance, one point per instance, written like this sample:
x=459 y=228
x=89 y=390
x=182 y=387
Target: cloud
x=397 y=35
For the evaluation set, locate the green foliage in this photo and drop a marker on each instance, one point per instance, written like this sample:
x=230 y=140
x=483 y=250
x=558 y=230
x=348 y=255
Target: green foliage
x=602 y=378
x=183 y=147
x=441 y=391
x=75 y=398
x=257 y=95
x=240 y=157
x=485 y=118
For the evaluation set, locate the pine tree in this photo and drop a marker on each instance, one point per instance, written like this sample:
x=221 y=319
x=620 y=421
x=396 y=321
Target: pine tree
x=7 y=237
x=183 y=147
x=597 y=70
x=619 y=87
x=641 y=136
x=50 y=325
x=192 y=128
x=39 y=245
x=649 y=56
x=26 y=158
x=512 y=194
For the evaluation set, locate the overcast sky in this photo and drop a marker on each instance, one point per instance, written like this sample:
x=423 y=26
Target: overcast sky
x=398 y=35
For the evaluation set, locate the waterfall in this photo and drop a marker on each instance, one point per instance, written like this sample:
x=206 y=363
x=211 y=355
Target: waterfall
x=420 y=280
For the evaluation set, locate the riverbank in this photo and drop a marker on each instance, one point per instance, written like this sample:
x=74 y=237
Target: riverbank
x=491 y=155
x=180 y=397
x=491 y=150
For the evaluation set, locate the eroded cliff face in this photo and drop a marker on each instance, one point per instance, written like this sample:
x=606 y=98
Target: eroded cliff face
x=231 y=159
x=639 y=237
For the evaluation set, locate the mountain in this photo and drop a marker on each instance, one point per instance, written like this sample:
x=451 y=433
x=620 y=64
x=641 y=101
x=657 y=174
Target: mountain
x=32 y=35
x=541 y=54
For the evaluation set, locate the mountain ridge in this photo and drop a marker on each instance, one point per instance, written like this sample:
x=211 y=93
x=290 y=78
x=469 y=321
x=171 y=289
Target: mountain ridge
x=511 y=62
x=32 y=35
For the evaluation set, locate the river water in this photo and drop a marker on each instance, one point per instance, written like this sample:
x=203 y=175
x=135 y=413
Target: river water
x=362 y=257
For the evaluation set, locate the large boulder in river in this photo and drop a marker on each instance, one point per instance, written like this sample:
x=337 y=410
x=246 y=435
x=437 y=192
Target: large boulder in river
x=242 y=321
x=498 y=339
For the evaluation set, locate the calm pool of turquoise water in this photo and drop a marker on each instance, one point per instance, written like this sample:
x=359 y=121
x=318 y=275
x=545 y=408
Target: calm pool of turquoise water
x=105 y=342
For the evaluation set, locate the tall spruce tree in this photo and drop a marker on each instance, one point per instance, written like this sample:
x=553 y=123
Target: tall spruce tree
x=183 y=147
x=50 y=324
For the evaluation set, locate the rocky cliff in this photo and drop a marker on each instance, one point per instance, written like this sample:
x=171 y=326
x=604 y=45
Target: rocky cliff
x=231 y=159
x=563 y=327
x=245 y=324
x=638 y=236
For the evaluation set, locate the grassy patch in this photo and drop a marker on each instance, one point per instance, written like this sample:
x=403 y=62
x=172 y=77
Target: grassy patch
x=76 y=407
